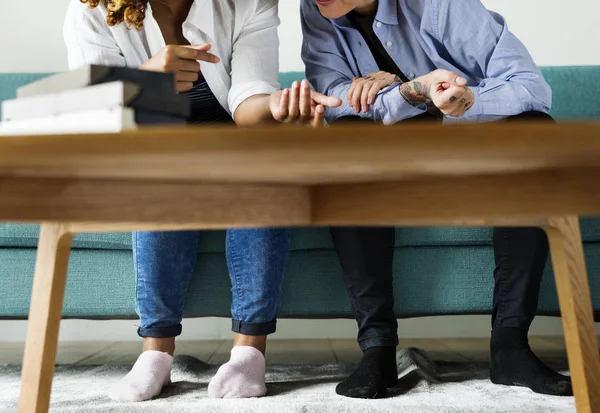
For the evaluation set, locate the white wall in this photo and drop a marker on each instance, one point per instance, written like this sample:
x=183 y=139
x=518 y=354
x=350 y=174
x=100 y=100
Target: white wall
x=556 y=33
x=217 y=329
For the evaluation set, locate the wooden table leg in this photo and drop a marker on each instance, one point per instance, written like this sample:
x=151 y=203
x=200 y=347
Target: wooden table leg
x=576 y=310
x=44 y=318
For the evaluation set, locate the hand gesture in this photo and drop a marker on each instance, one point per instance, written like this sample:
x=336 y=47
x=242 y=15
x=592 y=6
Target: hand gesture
x=182 y=61
x=300 y=104
x=446 y=90
x=364 y=90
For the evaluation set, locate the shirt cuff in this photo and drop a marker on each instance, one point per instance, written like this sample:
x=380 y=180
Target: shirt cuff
x=477 y=109
x=393 y=108
x=476 y=113
x=241 y=93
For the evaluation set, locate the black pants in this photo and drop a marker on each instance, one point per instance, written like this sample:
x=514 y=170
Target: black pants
x=366 y=256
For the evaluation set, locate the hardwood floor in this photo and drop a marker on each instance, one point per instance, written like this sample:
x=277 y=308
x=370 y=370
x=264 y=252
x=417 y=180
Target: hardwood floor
x=278 y=351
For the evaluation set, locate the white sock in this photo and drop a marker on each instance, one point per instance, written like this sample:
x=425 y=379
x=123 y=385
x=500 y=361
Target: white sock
x=242 y=377
x=150 y=373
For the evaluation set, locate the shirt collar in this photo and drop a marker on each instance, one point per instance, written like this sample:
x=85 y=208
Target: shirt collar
x=387 y=13
x=202 y=17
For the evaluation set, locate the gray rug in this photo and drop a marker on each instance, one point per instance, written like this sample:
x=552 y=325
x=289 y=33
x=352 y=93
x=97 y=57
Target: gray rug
x=425 y=386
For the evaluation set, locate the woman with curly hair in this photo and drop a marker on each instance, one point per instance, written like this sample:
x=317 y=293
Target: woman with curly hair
x=224 y=54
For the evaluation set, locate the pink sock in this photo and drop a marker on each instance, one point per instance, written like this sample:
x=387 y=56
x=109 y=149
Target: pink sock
x=242 y=377
x=150 y=373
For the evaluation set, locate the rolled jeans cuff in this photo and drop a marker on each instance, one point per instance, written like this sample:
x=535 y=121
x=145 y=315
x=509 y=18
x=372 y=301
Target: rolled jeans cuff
x=368 y=343
x=253 y=329
x=160 y=332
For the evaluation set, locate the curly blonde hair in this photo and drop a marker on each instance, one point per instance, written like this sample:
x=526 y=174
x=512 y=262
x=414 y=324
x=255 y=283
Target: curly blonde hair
x=130 y=12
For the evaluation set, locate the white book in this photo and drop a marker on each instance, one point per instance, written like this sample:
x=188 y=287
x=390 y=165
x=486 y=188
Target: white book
x=75 y=79
x=94 y=121
x=104 y=96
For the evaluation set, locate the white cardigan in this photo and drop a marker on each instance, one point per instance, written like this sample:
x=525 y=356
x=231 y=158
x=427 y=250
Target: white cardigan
x=243 y=33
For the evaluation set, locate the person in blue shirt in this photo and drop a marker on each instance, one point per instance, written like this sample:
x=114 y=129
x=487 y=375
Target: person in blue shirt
x=445 y=61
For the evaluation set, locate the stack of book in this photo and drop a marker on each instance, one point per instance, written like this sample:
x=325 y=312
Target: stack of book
x=94 y=99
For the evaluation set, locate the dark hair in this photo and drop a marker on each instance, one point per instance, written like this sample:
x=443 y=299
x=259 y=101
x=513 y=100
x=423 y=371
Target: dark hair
x=130 y=12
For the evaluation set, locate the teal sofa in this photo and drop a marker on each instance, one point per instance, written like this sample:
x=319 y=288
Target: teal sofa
x=437 y=270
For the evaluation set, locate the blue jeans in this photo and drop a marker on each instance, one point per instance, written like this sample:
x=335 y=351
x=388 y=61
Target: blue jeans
x=164 y=262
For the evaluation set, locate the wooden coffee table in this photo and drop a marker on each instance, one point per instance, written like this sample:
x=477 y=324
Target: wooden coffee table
x=198 y=178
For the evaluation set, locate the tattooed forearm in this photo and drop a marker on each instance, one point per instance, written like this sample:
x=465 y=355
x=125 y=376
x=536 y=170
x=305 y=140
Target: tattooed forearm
x=415 y=93
x=405 y=91
x=418 y=88
x=422 y=90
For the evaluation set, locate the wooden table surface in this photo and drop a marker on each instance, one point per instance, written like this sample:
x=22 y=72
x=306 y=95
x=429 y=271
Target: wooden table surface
x=225 y=176
x=299 y=155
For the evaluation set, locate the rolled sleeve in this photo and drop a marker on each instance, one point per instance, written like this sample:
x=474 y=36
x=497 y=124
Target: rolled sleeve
x=255 y=57
x=243 y=92
x=388 y=108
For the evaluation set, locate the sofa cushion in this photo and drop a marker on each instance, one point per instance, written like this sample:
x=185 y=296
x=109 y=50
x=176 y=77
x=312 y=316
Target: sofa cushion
x=465 y=236
x=567 y=82
x=439 y=280
x=303 y=239
x=26 y=236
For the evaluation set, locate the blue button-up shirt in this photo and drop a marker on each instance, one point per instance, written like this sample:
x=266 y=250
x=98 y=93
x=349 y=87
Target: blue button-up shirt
x=421 y=36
